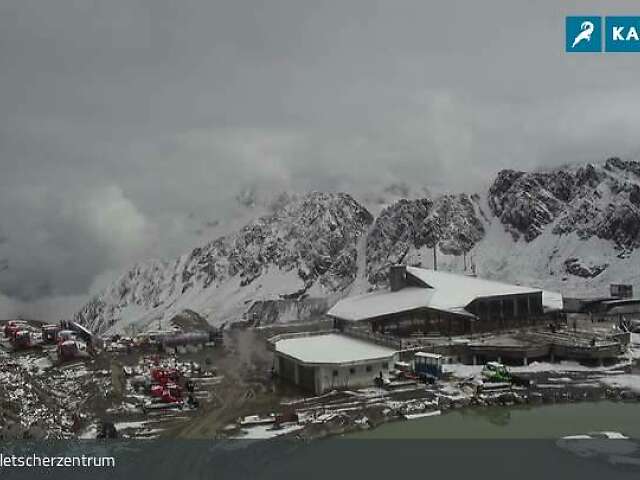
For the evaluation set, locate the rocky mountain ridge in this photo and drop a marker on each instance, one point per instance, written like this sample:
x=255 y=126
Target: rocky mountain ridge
x=571 y=228
x=310 y=243
x=602 y=201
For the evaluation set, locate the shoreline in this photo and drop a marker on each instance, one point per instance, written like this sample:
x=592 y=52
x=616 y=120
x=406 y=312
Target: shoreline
x=611 y=395
x=553 y=386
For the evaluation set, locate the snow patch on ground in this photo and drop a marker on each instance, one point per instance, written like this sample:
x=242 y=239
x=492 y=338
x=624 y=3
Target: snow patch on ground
x=35 y=364
x=466 y=371
x=624 y=381
x=263 y=432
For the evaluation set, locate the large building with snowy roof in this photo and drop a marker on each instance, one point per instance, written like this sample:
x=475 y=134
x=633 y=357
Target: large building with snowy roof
x=429 y=302
x=318 y=362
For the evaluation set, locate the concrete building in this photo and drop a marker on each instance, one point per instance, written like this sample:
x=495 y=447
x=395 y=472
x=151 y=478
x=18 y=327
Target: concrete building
x=430 y=302
x=620 y=307
x=327 y=361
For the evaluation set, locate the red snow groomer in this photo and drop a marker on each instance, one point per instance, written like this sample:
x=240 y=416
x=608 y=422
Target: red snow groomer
x=68 y=350
x=172 y=393
x=21 y=339
x=50 y=334
x=169 y=393
x=12 y=327
x=64 y=335
x=165 y=375
x=166 y=393
x=156 y=391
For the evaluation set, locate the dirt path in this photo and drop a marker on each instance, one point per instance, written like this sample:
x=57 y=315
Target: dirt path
x=245 y=389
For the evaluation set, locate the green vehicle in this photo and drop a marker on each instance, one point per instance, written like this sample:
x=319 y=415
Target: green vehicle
x=496 y=373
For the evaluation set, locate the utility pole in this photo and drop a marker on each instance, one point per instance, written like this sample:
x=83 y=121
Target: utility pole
x=436 y=233
x=435 y=256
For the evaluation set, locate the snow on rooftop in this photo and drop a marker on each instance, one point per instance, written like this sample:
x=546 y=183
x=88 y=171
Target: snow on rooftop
x=457 y=291
x=375 y=304
x=331 y=348
x=444 y=291
x=428 y=355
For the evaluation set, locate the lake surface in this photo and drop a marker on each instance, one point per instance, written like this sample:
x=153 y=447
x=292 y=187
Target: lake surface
x=476 y=443
x=530 y=422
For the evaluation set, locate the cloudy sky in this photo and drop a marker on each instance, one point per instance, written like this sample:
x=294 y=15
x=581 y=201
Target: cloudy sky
x=124 y=123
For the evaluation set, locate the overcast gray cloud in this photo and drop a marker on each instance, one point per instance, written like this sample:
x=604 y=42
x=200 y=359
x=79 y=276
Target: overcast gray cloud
x=122 y=120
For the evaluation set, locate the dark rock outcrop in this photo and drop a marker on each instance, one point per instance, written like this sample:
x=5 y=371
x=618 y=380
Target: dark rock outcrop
x=450 y=221
x=591 y=200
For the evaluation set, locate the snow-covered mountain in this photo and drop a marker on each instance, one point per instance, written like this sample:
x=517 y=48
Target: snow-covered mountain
x=305 y=248
x=574 y=229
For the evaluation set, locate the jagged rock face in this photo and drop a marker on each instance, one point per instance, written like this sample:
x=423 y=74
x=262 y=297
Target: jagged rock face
x=524 y=202
x=145 y=285
x=449 y=220
x=398 y=228
x=190 y=321
x=577 y=225
x=460 y=227
x=615 y=163
x=314 y=237
x=601 y=201
x=573 y=266
x=268 y=312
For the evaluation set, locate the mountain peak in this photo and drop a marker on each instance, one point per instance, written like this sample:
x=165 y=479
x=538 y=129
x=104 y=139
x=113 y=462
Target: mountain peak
x=308 y=244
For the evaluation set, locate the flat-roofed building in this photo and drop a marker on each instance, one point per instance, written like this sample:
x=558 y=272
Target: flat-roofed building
x=327 y=361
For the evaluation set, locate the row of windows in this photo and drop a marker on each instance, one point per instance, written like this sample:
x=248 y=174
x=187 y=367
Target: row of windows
x=525 y=305
x=368 y=368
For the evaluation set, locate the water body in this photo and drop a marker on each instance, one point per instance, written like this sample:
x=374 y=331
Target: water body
x=474 y=443
x=531 y=422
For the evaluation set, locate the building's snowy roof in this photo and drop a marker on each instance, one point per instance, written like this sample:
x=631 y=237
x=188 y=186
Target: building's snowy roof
x=447 y=292
x=331 y=348
x=455 y=291
x=428 y=355
x=376 y=304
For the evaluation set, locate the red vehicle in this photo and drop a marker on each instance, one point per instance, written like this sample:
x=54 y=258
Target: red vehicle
x=67 y=350
x=21 y=339
x=12 y=327
x=167 y=397
x=8 y=327
x=165 y=375
x=174 y=390
x=50 y=333
x=156 y=391
x=169 y=393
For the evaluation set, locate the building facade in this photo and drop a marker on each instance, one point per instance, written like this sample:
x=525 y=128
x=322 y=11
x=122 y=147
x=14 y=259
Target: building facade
x=428 y=302
x=318 y=363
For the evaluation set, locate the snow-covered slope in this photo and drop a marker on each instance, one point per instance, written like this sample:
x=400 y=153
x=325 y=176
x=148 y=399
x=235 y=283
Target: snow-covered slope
x=307 y=247
x=574 y=229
